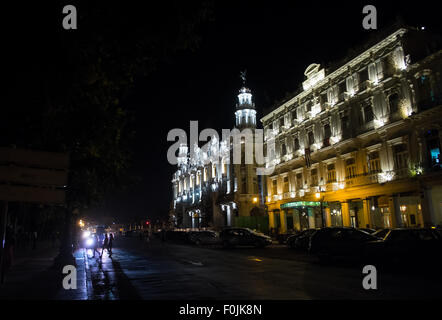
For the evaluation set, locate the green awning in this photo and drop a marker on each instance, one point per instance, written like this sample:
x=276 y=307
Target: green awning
x=297 y=204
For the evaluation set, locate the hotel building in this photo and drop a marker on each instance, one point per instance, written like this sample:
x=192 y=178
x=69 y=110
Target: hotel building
x=359 y=145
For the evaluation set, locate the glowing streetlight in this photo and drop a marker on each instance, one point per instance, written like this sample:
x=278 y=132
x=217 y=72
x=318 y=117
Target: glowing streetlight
x=255 y=200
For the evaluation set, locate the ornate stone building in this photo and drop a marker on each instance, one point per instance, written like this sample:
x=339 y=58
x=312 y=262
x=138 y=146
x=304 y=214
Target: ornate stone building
x=359 y=145
x=209 y=188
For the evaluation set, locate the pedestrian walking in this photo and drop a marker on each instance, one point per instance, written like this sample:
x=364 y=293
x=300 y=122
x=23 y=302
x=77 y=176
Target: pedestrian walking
x=111 y=241
x=105 y=244
x=96 y=245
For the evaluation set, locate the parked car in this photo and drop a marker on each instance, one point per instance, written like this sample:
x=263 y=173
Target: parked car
x=177 y=235
x=381 y=233
x=339 y=242
x=243 y=237
x=204 y=237
x=368 y=230
x=407 y=245
x=282 y=238
x=303 y=237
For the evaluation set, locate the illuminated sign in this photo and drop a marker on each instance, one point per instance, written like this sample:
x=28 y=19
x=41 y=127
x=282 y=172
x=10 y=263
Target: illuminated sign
x=302 y=204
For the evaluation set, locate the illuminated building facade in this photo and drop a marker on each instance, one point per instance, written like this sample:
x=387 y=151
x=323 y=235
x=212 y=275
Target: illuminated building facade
x=209 y=188
x=359 y=145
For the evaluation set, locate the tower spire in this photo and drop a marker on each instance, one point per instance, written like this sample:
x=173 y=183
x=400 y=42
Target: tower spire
x=245 y=108
x=242 y=75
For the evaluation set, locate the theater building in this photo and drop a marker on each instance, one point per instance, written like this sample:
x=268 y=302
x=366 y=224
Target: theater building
x=209 y=188
x=359 y=144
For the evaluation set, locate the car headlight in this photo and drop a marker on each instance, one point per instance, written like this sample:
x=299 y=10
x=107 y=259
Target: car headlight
x=89 y=241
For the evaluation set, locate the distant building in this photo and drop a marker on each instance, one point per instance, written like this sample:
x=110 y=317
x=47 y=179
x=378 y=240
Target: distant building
x=209 y=193
x=360 y=145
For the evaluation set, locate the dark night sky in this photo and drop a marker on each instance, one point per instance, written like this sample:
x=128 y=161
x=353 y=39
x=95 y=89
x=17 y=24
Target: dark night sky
x=274 y=41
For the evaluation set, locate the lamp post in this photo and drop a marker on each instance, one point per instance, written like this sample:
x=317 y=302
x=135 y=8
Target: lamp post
x=318 y=196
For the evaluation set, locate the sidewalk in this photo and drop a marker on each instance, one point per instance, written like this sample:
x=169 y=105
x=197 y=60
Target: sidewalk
x=32 y=276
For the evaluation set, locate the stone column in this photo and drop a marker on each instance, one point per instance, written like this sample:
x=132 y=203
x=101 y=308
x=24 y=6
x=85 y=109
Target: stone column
x=392 y=208
x=271 y=220
x=366 y=223
x=396 y=217
x=296 y=220
x=345 y=208
x=327 y=217
x=283 y=219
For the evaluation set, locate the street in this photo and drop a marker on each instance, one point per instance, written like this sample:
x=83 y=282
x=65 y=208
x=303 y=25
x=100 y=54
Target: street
x=138 y=270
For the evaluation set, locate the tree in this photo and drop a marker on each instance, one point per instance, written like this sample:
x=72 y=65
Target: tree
x=69 y=86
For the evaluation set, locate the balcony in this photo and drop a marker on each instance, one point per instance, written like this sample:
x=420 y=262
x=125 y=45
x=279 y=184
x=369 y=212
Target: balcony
x=364 y=85
x=362 y=179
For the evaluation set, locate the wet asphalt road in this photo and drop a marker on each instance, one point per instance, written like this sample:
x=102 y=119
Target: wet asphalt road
x=138 y=270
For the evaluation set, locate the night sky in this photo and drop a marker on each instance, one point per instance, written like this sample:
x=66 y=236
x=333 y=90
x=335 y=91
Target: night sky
x=274 y=41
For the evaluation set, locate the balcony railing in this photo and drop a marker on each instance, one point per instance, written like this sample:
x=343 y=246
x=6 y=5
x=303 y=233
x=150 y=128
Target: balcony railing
x=362 y=179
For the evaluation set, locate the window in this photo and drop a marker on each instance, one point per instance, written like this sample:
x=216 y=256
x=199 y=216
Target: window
x=283 y=150
x=274 y=187
x=342 y=89
x=299 y=183
x=327 y=135
x=352 y=84
x=345 y=122
x=314 y=177
x=363 y=75
x=368 y=113
x=433 y=147
x=299 y=113
x=293 y=114
x=426 y=94
x=393 y=101
x=350 y=168
x=296 y=144
x=287 y=120
x=375 y=71
x=331 y=173
x=400 y=156
x=286 y=184
x=332 y=95
x=373 y=162
x=311 y=138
